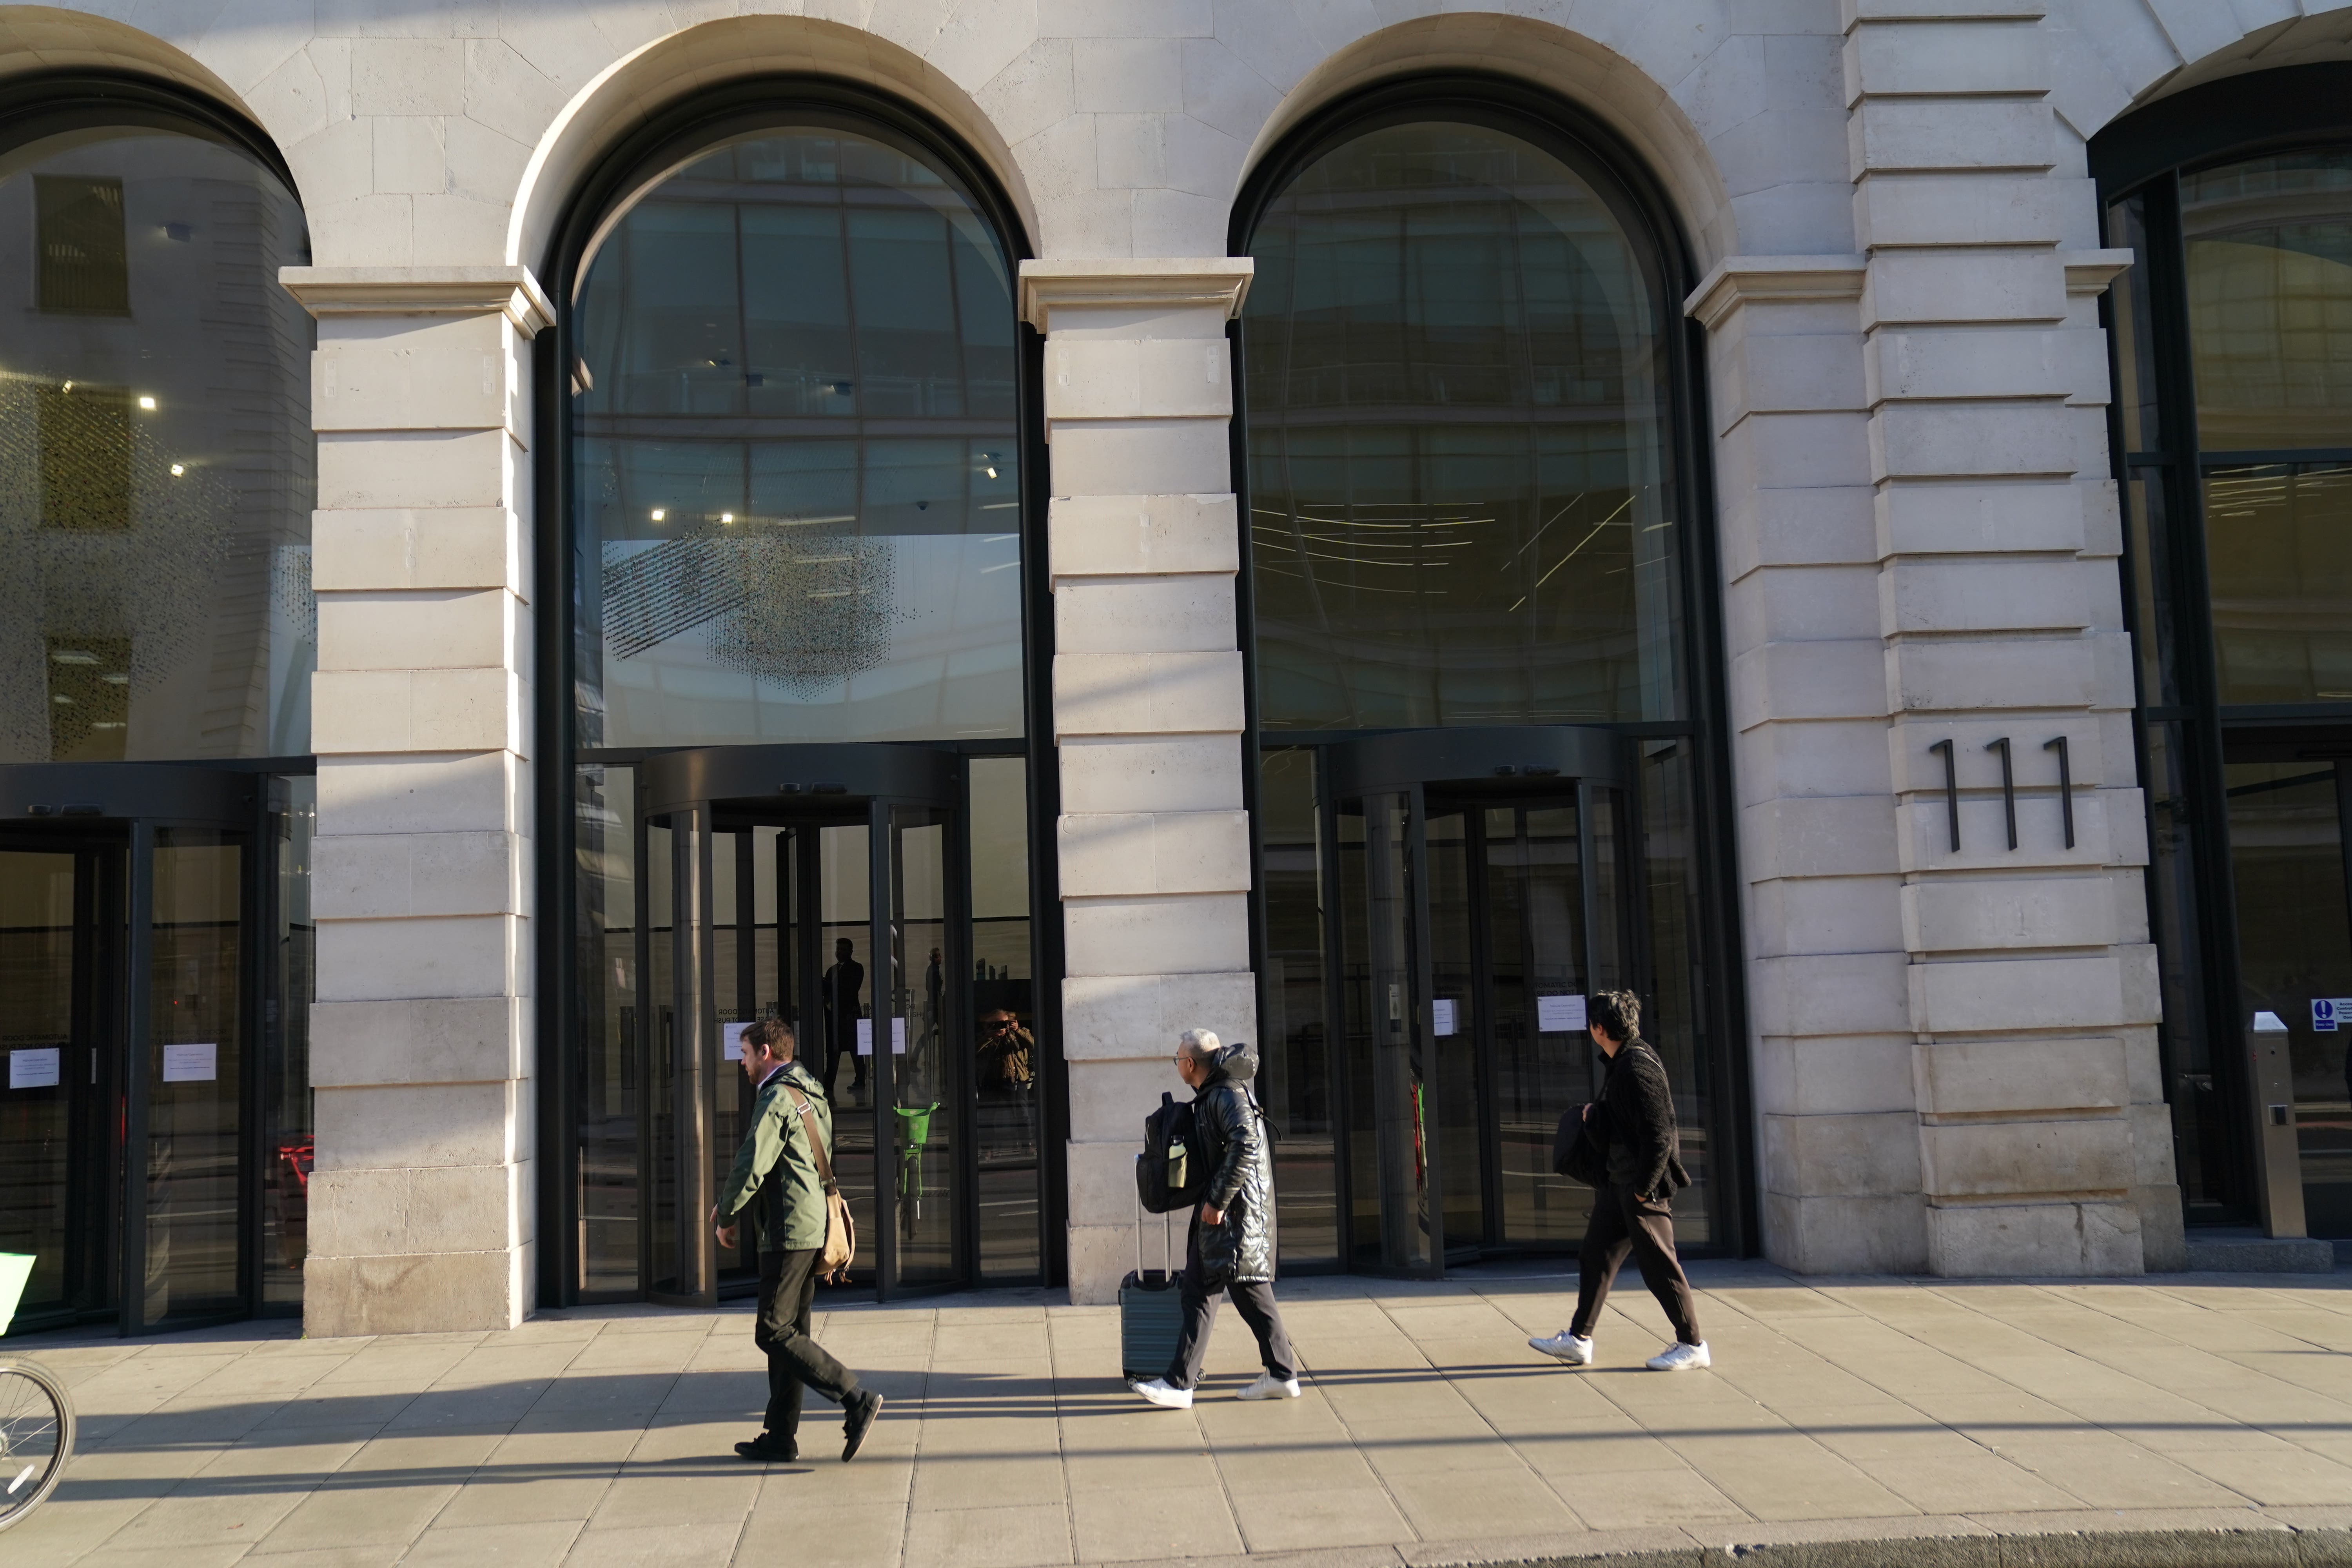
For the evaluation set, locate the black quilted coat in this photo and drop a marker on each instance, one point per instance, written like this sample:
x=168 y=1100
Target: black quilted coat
x=1240 y=1158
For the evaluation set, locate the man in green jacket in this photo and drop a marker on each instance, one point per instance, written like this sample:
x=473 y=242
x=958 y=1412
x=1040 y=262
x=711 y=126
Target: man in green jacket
x=775 y=1176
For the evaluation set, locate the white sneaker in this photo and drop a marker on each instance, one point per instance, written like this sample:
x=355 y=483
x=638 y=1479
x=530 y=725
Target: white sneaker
x=1567 y=1347
x=1269 y=1386
x=1160 y=1393
x=1680 y=1357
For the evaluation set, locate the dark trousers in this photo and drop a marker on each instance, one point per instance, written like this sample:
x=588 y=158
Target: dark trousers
x=843 y=1048
x=1622 y=1222
x=787 y=1288
x=1252 y=1298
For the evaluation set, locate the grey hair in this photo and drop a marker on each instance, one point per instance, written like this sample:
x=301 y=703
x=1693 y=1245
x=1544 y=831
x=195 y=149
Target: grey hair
x=1199 y=1044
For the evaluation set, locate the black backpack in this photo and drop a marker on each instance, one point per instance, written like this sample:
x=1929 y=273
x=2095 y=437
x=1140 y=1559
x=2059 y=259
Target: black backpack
x=1172 y=1173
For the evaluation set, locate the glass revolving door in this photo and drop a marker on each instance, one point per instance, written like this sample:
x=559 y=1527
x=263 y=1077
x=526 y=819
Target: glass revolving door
x=816 y=885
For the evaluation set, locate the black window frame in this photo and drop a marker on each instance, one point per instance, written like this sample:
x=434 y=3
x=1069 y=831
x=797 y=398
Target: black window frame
x=1644 y=210
x=702 y=120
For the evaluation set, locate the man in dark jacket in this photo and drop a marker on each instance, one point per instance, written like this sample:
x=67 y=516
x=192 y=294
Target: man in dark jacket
x=1229 y=1245
x=1635 y=1117
x=776 y=1177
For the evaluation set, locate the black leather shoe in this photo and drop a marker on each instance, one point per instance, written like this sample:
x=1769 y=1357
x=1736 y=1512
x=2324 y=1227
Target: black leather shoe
x=858 y=1423
x=767 y=1449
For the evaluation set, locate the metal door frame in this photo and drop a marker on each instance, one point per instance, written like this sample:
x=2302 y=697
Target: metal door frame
x=1512 y=764
x=817 y=782
x=118 y=807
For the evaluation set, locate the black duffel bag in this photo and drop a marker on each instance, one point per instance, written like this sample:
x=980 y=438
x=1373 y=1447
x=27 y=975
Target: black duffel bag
x=1577 y=1154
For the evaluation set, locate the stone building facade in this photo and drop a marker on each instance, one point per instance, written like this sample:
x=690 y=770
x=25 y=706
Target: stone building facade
x=1926 y=1017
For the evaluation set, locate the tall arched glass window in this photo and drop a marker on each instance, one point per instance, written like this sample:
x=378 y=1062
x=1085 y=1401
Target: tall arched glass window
x=1460 y=511
x=794 y=384
x=2232 y=337
x=156 y=460
x=1485 y=761
x=796 y=465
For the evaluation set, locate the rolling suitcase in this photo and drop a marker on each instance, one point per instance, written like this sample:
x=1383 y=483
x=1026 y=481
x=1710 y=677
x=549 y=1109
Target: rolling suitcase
x=1150 y=1310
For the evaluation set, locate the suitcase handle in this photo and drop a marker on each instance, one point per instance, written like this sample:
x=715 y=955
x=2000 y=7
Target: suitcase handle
x=1167 y=1242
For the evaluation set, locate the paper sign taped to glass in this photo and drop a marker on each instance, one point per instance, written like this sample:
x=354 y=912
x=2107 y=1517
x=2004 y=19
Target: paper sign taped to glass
x=1558 y=1015
x=35 y=1068
x=191 y=1063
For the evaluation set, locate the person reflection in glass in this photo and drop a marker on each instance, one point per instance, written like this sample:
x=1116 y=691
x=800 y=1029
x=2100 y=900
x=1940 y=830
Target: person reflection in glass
x=1008 y=1067
x=844 y=985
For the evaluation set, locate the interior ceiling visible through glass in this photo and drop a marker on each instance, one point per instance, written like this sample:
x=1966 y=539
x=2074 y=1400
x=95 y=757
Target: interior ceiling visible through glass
x=798 y=465
x=1460 y=511
x=156 y=457
x=2270 y=300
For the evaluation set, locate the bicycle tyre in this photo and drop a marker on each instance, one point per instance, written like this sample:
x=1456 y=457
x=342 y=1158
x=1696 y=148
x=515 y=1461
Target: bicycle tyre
x=37 y=1437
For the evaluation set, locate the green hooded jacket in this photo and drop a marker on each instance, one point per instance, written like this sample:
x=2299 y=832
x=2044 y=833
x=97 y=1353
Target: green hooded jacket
x=776 y=1166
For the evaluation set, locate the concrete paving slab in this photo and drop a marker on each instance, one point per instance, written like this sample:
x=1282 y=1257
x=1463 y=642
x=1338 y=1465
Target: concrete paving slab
x=2044 y=1422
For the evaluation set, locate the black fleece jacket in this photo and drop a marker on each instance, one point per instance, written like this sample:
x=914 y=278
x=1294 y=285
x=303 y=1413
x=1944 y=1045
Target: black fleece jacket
x=1637 y=1108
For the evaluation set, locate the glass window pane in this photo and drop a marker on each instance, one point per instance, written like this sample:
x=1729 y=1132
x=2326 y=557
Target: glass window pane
x=1004 y=1057
x=2278 y=550
x=799 y=501
x=1460 y=510
x=2134 y=331
x=2295 y=945
x=606 y=1071
x=38 y=1152
x=1294 y=1080
x=926 y=1077
x=156 y=457
x=195 y=1076
x=287 y=1147
x=2270 y=300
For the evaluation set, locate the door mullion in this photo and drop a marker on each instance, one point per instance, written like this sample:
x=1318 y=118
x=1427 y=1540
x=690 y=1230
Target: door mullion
x=138 y=1049
x=882 y=987
x=1485 y=1043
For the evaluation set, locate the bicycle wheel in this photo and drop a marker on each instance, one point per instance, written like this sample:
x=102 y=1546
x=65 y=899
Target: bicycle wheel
x=36 y=1433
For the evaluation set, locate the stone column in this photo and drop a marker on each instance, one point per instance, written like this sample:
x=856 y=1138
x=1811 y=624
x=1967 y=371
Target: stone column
x=1147 y=708
x=2043 y=1147
x=1838 y=1143
x=421 y=1205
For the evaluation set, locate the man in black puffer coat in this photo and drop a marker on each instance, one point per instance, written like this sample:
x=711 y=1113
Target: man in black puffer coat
x=1229 y=1245
x=1635 y=1117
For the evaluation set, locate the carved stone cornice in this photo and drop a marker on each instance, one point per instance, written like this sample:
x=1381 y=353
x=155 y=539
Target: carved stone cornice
x=1737 y=279
x=510 y=292
x=1146 y=284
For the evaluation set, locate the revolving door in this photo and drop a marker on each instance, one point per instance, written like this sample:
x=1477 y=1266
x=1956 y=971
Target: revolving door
x=1483 y=893
x=818 y=884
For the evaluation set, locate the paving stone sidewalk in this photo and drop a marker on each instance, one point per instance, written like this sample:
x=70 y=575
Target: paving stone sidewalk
x=1837 y=1409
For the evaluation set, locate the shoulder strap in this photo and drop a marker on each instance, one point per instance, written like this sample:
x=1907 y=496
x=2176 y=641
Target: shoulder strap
x=816 y=1144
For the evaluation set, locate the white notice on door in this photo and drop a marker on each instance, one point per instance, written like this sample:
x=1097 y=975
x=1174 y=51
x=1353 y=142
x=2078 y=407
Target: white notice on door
x=1442 y=1016
x=864 y=1036
x=1558 y=1015
x=897 y=1037
x=730 y=1041
x=34 y=1068
x=191 y=1063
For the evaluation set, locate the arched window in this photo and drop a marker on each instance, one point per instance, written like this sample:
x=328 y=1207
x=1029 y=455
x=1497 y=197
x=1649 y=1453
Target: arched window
x=1487 y=764
x=2233 y=335
x=796 y=621
x=1461 y=508
x=156 y=460
x=797 y=458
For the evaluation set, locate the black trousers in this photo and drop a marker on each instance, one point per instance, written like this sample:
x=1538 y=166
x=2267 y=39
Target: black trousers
x=1253 y=1299
x=1622 y=1222
x=787 y=1289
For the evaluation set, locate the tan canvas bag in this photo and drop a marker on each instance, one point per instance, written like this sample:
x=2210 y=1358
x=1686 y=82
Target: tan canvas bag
x=840 y=1230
